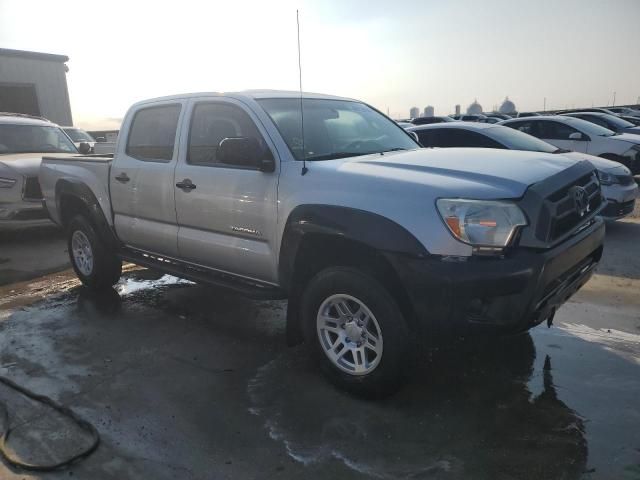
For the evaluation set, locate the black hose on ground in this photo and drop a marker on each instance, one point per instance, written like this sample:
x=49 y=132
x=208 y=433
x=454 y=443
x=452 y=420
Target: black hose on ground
x=83 y=424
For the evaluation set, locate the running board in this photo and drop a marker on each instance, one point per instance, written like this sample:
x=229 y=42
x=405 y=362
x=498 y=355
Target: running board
x=249 y=288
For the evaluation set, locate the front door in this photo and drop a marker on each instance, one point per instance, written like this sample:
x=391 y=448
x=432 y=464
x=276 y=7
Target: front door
x=142 y=184
x=227 y=215
x=557 y=133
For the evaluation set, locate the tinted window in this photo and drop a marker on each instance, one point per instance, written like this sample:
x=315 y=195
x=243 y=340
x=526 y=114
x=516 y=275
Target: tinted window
x=213 y=122
x=528 y=127
x=78 y=135
x=556 y=130
x=517 y=140
x=454 y=137
x=426 y=137
x=594 y=119
x=153 y=133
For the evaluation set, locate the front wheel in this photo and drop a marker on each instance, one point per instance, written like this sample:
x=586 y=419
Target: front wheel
x=357 y=331
x=95 y=264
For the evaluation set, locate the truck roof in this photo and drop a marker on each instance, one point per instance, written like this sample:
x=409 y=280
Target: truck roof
x=253 y=94
x=23 y=119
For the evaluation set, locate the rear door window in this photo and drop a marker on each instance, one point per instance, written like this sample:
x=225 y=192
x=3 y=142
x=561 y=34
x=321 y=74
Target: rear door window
x=152 y=134
x=556 y=130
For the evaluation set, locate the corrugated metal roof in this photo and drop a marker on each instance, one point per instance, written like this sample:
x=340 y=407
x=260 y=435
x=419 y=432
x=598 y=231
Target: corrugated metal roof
x=52 y=57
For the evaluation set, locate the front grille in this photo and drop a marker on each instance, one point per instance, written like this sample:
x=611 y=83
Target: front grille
x=32 y=189
x=560 y=214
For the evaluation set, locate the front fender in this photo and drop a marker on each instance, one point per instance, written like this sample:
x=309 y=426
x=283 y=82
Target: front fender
x=370 y=229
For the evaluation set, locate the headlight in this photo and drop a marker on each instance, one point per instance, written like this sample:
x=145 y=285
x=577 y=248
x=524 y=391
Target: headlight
x=7 y=182
x=606 y=178
x=481 y=223
x=632 y=158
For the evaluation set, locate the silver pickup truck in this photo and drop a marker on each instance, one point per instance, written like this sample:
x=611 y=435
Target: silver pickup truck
x=378 y=244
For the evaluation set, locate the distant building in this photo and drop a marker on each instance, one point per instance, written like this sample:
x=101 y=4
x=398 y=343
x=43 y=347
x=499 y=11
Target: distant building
x=36 y=84
x=428 y=111
x=507 y=107
x=458 y=109
x=475 y=108
x=414 y=112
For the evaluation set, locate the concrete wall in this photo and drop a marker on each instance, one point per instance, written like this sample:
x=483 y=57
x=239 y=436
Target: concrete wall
x=50 y=80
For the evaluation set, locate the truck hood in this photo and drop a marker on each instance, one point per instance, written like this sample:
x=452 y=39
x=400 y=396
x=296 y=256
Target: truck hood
x=470 y=172
x=26 y=164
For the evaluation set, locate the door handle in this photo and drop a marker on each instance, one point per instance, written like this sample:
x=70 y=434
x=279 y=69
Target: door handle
x=122 y=178
x=186 y=185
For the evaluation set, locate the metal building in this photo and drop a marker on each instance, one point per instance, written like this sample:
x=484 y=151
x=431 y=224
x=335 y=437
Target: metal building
x=428 y=111
x=414 y=112
x=35 y=83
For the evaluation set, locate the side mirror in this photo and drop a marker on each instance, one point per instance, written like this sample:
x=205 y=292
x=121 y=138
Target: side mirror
x=245 y=152
x=575 y=136
x=84 y=148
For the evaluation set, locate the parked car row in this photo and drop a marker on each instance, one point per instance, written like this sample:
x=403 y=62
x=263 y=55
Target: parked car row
x=618 y=185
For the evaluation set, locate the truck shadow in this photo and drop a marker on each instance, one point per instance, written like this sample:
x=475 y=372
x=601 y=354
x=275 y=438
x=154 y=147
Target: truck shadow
x=470 y=414
x=621 y=257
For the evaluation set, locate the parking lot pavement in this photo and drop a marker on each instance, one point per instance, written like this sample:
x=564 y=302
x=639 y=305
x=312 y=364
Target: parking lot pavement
x=185 y=381
x=30 y=253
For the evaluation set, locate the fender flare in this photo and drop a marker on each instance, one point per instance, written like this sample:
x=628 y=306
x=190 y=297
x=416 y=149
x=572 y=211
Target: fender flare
x=80 y=191
x=371 y=229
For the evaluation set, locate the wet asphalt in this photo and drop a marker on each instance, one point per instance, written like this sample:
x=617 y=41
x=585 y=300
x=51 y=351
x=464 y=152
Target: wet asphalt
x=185 y=381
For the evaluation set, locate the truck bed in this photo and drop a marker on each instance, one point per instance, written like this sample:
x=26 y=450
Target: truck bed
x=91 y=171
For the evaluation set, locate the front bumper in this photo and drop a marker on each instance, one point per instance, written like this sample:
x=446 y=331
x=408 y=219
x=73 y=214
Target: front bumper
x=620 y=200
x=22 y=215
x=452 y=297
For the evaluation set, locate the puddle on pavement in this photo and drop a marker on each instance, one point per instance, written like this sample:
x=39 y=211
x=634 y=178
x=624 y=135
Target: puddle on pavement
x=542 y=406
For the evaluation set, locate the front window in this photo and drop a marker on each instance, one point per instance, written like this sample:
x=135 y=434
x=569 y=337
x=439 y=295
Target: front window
x=78 y=135
x=518 y=140
x=34 y=139
x=334 y=128
x=589 y=128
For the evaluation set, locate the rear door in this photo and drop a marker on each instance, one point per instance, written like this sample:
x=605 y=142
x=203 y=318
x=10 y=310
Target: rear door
x=141 y=184
x=227 y=215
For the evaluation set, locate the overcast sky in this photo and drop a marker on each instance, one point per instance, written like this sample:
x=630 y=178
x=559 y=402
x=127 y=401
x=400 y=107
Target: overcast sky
x=392 y=54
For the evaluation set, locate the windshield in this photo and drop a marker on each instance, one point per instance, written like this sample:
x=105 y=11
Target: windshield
x=78 y=135
x=618 y=122
x=588 y=127
x=334 y=128
x=34 y=138
x=517 y=140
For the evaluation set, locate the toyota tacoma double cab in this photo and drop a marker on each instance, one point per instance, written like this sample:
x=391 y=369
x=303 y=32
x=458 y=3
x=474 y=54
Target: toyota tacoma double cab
x=379 y=245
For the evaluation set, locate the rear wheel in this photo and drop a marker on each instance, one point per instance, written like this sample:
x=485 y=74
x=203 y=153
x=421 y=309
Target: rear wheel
x=95 y=264
x=357 y=331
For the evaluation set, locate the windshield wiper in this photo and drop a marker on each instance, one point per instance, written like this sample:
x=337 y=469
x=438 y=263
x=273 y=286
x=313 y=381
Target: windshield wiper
x=336 y=155
x=561 y=150
x=396 y=149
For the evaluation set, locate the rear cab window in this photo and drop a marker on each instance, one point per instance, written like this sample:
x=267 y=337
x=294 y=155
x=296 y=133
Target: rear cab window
x=152 y=134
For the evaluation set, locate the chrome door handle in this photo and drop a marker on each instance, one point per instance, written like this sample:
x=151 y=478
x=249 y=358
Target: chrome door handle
x=186 y=185
x=122 y=178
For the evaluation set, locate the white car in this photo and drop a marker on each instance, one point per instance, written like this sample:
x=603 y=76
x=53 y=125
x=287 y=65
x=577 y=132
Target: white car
x=581 y=136
x=23 y=141
x=618 y=186
x=79 y=137
x=625 y=111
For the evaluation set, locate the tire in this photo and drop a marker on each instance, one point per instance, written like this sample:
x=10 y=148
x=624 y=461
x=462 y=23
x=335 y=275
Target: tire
x=95 y=264
x=381 y=365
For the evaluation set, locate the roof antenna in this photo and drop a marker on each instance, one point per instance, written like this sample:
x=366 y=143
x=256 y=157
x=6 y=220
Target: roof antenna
x=304 y=152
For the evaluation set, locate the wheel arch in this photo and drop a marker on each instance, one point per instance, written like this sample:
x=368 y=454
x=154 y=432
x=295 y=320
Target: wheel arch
x=318 y=236
x=73 y=198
